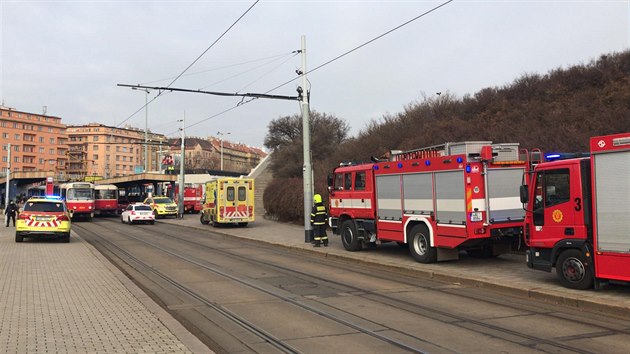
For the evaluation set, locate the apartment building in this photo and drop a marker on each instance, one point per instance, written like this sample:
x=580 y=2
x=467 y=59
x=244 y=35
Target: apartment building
x=38 y=141
x=99 y=150
x=207 y=154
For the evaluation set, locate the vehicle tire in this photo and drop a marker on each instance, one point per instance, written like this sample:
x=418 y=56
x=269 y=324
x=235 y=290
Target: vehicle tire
x=152 y=222
x=242 y=224
x=420 y=245
x=202 y=220
x=129 y=220
x=574 y=270
x=350 y=236
x=66 y=238
x=122 y=220
x=19 y=237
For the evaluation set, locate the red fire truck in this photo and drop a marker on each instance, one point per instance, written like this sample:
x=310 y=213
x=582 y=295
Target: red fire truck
x=438 y=200
x=578 y=215
x=193 y=195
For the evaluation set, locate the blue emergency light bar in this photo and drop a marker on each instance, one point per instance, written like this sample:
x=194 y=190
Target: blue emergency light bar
x=565 y=155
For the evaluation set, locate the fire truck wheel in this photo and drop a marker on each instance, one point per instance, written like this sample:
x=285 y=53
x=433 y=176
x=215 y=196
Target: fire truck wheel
x=203 y=220
x=349 y=236
x=573 y=270
x=420 y=245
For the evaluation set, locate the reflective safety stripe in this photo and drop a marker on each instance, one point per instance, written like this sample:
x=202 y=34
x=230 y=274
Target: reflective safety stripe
x=53 y=223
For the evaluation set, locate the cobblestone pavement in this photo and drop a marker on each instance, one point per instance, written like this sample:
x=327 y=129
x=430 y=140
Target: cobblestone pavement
x=67 y=298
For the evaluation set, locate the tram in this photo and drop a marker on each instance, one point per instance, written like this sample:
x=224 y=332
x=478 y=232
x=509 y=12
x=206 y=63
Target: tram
x=79 y=198
x=106 y=199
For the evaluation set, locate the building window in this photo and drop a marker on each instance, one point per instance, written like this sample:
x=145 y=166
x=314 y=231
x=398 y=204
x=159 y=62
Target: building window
x=51 y=151
x=41 y=161
x=107 y=148
x=95 y=138
x=50 y=130
x=95 y=147
x=52 y=140
x=17 y=136
x=41 y=150
x=41 y=139
x=95 y=157
x=5 y=135
x=16 y=159
x=16 y=148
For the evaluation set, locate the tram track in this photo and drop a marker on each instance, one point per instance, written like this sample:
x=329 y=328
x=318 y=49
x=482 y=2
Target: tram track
x=241 y=321
x=462 y=321
x=408 y=281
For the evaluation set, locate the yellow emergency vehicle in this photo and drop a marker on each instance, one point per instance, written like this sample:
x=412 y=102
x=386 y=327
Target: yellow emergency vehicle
x=228 y=200
x=43 y=217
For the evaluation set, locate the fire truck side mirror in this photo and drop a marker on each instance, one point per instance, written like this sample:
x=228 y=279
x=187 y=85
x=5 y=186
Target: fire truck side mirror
x=330 y=180
x=524 y=194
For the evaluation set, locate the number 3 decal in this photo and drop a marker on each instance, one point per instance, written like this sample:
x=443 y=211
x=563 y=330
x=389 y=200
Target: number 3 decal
x=578 y=204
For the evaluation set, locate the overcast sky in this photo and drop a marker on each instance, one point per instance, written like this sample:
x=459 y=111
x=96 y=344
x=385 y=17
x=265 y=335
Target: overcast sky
x=70 y=55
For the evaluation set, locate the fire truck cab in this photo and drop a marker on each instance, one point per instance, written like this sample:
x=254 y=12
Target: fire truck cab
x=438 y=200
x=578 y=215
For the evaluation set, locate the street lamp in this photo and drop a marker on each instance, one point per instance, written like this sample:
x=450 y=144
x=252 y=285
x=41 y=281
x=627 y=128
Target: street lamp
x=146 y=126
x=219 y=133
x=180 y=195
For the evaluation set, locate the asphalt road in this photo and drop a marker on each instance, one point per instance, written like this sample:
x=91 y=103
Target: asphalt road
x=239 y=297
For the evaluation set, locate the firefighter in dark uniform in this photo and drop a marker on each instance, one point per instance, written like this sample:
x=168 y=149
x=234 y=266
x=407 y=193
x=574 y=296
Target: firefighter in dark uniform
x=10 y=212
x=318 y=221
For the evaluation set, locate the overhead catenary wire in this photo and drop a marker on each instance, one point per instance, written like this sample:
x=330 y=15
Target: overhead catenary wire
x=194 y=61
x=363 y=45
x=243 y=102
x=274 y=57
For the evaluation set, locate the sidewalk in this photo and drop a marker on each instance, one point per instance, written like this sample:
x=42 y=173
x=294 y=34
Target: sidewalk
x=59 y=297
x=507 y=273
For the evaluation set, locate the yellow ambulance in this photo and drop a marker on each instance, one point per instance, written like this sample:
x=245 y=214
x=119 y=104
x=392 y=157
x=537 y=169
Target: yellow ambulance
x=228 y=200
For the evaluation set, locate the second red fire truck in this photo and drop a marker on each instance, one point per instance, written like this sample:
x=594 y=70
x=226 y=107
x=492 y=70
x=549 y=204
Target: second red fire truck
x=438 y=200
x=578 y=215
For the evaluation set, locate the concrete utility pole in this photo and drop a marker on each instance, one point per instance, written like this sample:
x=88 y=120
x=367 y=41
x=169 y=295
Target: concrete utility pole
x=222 y=134
x=6 y=195
x=307 y=172
x=180 y=195
x=146 y=127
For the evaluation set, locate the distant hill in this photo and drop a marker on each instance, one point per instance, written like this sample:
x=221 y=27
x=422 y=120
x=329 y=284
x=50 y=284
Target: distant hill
x=557 y=111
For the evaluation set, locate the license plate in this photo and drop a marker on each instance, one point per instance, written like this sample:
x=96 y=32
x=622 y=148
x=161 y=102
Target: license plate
x=40 y=218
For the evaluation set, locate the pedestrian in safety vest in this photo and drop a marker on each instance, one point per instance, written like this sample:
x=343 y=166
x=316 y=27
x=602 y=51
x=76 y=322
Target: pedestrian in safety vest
x=318 y=221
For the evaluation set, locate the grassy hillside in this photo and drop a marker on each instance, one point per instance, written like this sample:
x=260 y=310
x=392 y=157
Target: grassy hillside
x=557 y=112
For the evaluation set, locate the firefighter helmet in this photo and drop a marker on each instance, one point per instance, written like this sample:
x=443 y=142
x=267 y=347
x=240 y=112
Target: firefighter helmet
x=317 y=198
